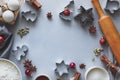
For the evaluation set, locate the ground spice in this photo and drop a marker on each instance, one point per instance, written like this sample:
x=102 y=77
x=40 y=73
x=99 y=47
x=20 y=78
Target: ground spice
x=42 y=78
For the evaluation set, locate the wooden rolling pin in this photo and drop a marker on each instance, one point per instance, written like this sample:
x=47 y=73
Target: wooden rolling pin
x=109 y=30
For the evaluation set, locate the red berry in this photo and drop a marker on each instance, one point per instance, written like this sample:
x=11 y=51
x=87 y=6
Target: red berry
x=1 y=39
x=28 y=72
x=102 y=41
x=66 y=12
x=72 y=65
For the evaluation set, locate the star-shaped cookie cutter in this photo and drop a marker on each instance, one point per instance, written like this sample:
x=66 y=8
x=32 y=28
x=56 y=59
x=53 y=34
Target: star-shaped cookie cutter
x=61 y=69
x=85 y=16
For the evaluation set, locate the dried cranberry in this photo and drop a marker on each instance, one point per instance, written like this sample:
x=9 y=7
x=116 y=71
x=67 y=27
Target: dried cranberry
x=28 y=72
x=1 y=39
x=66 y=12
x=102 y=41
x=72 y=65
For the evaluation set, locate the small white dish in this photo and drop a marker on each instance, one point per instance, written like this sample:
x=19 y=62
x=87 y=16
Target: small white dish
x=9 y=70
x=96 y=73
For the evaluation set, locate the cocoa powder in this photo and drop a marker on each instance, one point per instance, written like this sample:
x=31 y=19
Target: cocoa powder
x=42 y=78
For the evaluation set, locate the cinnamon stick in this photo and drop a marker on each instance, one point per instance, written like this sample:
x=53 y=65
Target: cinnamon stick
x=77 y=76
x=106 y=61
x=36 y=4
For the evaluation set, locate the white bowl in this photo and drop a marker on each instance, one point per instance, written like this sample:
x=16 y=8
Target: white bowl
x=9 y=69
x=96 y=73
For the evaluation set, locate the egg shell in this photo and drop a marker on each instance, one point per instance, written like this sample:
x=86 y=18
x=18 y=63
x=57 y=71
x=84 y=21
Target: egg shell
x=13 y=4
x=8 y=16
x=1 y=12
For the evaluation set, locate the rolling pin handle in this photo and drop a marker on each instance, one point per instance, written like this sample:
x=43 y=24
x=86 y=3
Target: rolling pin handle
x=98 y=7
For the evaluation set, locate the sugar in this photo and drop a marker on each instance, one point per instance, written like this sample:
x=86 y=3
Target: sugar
x=97 y=74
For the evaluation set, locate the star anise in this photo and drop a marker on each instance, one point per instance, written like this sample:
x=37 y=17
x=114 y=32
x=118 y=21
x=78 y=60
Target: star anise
x=33 y=68
x=27 y=63
x=92 y=29
x=29 y=67
x=49 y=15
x=82 y=66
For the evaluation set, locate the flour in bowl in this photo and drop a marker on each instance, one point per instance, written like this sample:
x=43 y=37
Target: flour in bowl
x=8 y=71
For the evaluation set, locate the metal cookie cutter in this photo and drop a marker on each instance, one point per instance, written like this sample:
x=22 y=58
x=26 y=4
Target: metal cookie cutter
x=85 y=16
x=70 y=7
x=61 y=68
x=29 y=16
x=20 y=52
x=112 y=6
